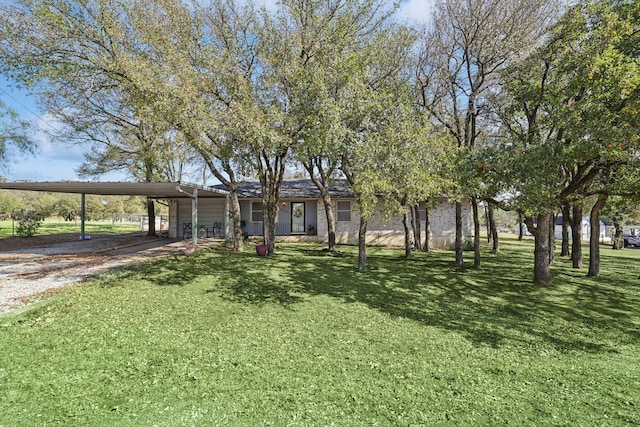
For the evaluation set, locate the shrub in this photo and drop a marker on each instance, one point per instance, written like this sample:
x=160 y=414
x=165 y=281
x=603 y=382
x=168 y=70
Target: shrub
x=28 y=222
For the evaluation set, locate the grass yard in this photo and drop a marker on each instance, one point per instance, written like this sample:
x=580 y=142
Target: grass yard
x=57 y=226
x=303 y=339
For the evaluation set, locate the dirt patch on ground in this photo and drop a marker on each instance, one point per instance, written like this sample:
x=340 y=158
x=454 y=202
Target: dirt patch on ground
x=96 y=242
x=35 y=266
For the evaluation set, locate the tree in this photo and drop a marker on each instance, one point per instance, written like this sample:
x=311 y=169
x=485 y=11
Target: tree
x=10 y=202
x=575 y=113
x=416 y=167
x=594 y=237
x=575 y=221
x=621 y=210
x=347 y=25
x=13 y=133
x=493 y=230
x=75 y=55
x=468 y=45
x=381 y=123
x=67 y=206
x=566 y=214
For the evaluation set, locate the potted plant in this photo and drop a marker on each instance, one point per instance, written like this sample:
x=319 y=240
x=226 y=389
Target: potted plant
x=261 y=249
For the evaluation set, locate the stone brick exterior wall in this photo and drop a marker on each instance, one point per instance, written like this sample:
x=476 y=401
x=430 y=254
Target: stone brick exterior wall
x=390 y=232
x=380 y=231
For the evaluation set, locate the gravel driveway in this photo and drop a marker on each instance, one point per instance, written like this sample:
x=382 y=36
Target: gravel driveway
x=29 y=272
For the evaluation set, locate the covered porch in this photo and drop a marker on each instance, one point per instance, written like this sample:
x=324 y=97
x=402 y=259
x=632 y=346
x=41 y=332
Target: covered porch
x=296 y=217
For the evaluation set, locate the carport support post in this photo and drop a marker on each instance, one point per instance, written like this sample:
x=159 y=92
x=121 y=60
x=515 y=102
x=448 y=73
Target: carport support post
x=194 y=218
x=194 y=213
x=82 y=216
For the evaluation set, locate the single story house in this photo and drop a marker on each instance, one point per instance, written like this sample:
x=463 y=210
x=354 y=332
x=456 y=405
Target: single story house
x=585 y=227
x=301 y=216
x=301 y=212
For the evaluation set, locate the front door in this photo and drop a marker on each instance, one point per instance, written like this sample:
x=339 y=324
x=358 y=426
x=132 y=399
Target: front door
x=297 y=218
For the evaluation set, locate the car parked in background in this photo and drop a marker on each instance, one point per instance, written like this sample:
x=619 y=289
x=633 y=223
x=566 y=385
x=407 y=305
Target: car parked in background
x=631 y=241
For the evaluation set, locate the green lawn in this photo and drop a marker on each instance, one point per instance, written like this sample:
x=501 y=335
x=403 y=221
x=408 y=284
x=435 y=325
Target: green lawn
x=56 y=226
x=303 y=339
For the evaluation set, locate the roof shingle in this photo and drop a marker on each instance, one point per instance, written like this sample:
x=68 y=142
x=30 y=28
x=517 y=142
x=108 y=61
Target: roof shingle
x=293 y=189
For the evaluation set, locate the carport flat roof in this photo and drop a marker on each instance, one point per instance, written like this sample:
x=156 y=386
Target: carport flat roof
x=157 y=190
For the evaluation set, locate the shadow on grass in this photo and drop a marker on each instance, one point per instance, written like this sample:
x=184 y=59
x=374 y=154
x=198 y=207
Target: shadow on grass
x=494 y=306
x=173 y=271
x=258 y=289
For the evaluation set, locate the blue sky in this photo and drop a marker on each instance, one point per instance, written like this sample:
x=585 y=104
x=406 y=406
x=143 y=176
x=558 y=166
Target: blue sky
x=52 y=161
x=57 y=160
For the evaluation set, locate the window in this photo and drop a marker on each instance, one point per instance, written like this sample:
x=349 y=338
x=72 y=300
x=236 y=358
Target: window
x=256 y=212
x=343 y=210
x=422 y=213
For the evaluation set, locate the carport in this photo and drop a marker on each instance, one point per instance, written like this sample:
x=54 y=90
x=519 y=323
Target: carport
x=152 y=190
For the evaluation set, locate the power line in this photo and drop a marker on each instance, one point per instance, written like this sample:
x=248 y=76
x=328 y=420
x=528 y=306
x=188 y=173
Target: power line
x=47 y=123
x=26 y=108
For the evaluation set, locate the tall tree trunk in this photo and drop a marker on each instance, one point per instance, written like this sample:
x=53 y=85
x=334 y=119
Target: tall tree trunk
x=566 y=215
x=520 y=223
x=594 y=236
x=232 y=185
x=476 y=233
x=487 y=223
x=151 y=213
x=427 y=230
x=331 y=222
x=576 y=234
x=552 y=239
x=407 y=233
x=415 y=222
x=236 y=219
x=322 y=183
x=270 y=214
x=458 y=244
x=618 y=237
x=271 y=173
x=493 y=229
x=362 y=244
x=541 y=264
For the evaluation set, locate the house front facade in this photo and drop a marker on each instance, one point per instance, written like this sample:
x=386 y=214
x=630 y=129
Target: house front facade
x=302 y=217
x=585 y=229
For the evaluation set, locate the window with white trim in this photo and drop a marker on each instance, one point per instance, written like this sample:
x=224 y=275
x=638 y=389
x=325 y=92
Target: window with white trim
x=256 y=212
x=343 y=210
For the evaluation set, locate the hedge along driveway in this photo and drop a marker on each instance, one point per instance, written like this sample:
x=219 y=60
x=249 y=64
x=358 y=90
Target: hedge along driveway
x=303 y=339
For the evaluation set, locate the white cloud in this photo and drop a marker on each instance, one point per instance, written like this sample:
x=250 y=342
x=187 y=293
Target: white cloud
x=415 y=12
x=52 y=147
x=52 y=160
